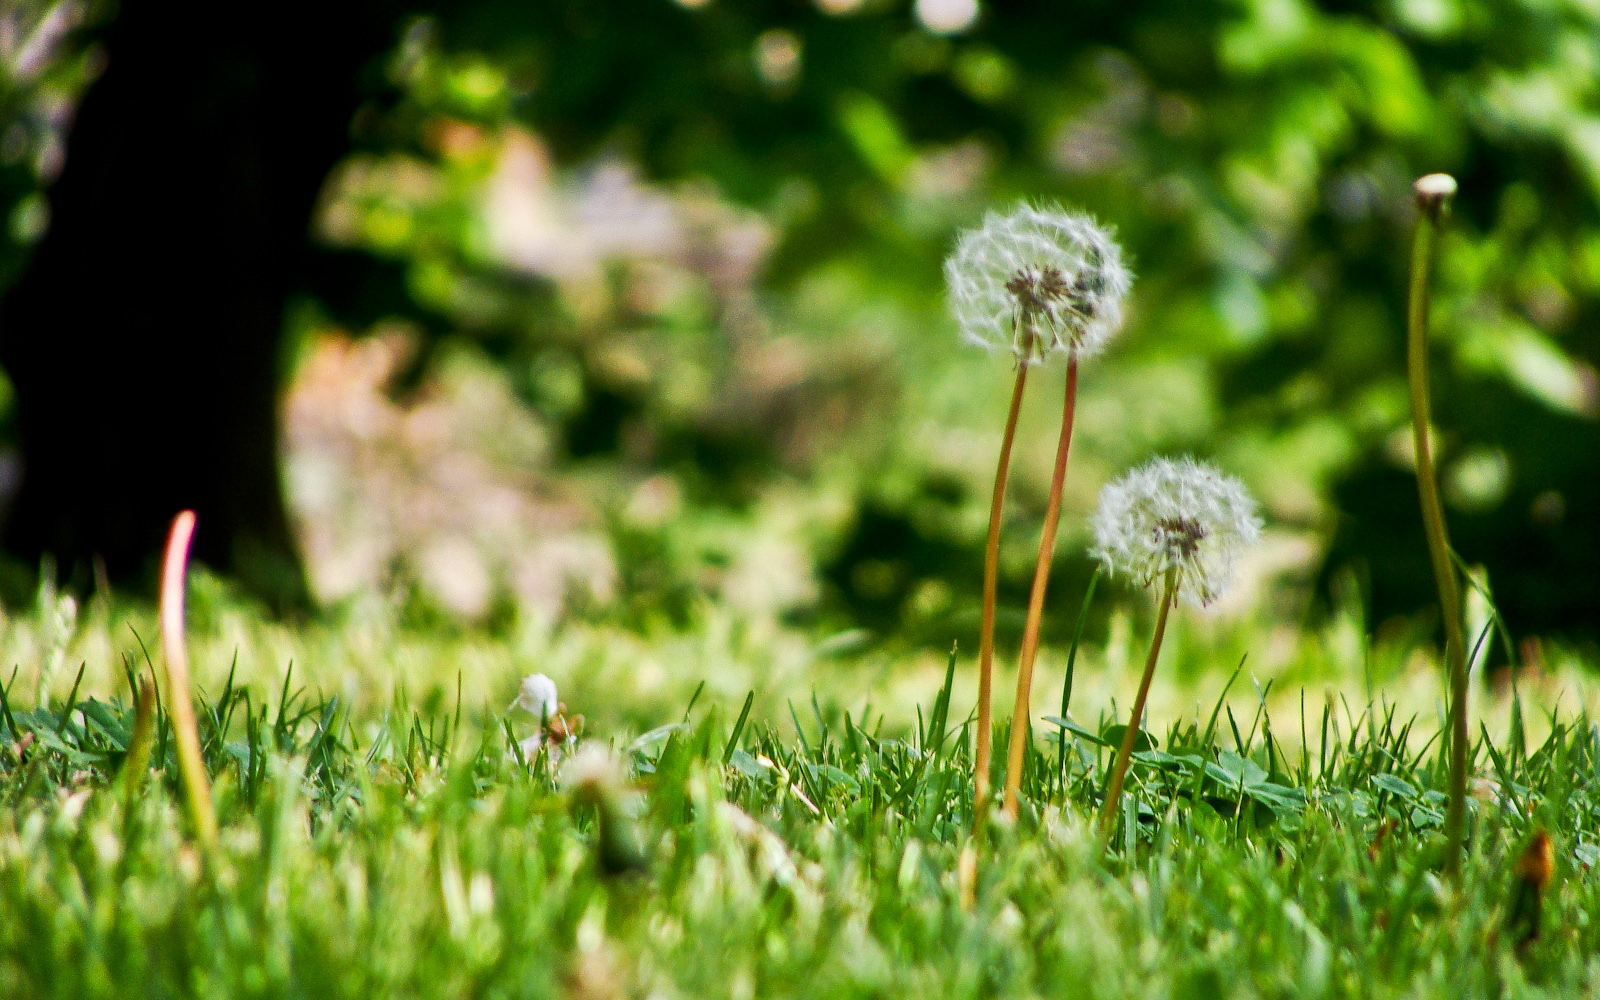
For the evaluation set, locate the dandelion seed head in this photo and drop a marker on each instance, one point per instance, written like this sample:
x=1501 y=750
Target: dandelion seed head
x=1176 y=514
x=1035 y=281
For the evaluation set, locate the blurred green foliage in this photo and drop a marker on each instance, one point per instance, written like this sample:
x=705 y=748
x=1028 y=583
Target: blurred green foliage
x=1256 y=158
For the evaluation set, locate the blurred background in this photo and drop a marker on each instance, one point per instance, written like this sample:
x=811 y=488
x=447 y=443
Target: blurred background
x=616 y=307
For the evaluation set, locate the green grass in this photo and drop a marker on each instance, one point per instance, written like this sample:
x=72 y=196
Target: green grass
x=381 y=838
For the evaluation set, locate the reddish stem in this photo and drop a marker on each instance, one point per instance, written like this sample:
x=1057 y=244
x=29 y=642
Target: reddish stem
x=1021 y=724
x=991 y=573
x=191 y=768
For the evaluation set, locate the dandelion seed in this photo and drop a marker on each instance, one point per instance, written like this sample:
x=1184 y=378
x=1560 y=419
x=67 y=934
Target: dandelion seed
x=1179 y=515
x=1037 y=280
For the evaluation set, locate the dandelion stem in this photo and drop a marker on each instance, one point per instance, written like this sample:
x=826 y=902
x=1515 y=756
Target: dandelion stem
x=1119 y=766
x=1021 y=727
x=1433 y=196
x=991 y=573
x=191 y=769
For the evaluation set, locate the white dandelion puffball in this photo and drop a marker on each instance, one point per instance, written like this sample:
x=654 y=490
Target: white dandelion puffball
x=1037 y=280
x=538 y=695
x=1176 y=514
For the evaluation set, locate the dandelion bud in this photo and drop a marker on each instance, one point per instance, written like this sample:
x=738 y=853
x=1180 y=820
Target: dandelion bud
x=1434 y=192
x=1178 y=515
x=1037 y=280
x=1524 y=914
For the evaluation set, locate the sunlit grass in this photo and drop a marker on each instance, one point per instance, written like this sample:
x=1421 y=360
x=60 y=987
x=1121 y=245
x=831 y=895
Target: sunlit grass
x=373 y=843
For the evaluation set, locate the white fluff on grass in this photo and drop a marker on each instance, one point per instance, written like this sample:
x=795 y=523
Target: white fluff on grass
x=538 y=696
x=1176 y=513
x=1037 y=280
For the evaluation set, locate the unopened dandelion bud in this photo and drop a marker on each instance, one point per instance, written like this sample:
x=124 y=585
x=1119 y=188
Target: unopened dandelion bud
x=1434 y=192
x=1178 y=515
x=1530 y=877
x=1037 y=281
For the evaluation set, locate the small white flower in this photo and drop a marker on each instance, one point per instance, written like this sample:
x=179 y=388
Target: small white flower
x=1178 y=514
x=537 y=695
x=1037 y=280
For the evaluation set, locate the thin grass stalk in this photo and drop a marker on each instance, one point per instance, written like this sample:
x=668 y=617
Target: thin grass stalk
x=180 y=703
x=143 y=738
x=1433 y=196
x=1119 y=766
x=1021 y=728
x=991 y=577
x=1072 y=666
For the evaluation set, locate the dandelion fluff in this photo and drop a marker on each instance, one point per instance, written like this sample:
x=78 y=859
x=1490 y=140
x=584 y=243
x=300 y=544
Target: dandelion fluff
x=1176 y=514
x=537 y=695
x=1037 y=280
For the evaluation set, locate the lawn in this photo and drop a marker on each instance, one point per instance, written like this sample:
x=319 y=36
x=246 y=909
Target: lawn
x=387 y=828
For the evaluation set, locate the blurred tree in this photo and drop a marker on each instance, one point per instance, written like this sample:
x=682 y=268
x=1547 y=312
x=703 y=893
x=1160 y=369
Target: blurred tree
x=143 y=337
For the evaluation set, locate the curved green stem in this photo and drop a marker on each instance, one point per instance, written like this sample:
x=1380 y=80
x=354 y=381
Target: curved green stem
x=1433 y=202
x=1072 y=665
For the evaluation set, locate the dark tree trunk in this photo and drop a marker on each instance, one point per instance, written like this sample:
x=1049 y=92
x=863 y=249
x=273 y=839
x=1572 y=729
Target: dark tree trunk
x=144 y=339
